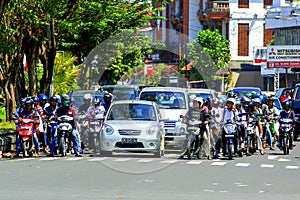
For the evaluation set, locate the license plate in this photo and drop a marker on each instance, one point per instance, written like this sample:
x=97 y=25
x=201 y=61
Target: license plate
x=94 y=123
x=129 y=140
x=229 y=136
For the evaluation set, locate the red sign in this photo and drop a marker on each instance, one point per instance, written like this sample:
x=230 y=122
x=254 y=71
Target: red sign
x=283 y=64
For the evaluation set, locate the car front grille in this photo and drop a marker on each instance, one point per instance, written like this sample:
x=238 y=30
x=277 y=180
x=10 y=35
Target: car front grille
x=170 y=124
x=129 y=132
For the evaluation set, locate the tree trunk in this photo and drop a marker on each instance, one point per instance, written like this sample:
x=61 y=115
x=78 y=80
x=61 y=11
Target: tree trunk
x=47 y=59
x=32 y=55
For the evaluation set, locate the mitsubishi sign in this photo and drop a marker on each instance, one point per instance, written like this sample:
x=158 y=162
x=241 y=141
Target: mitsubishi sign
x=283 y=56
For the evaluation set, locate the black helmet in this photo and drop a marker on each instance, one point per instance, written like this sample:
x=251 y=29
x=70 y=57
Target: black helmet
x=107 y=98
x=97 y=101
x=286 y=104
x=28 y=101
x=53 y=98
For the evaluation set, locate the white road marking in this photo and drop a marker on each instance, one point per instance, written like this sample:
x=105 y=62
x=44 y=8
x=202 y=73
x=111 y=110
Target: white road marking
x=50 y=158
x=266 y=166
x=194 y=162
x=242 y=164
x=283 y=160
x=169 y=161
x=73 y=159
x=122 y=159
x=272 y=157
x=206 y=190
x=25 y=159
x=145 y=160
x=291 y=167
x=218 y=163
x=96 y=159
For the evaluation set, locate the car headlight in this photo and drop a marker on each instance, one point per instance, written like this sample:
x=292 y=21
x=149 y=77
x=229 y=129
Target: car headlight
x=150 y=131
x=108 y=130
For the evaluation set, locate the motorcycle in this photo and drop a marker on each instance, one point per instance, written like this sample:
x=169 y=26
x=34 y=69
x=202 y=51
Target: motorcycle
x=95 y=124
x=251 y=134
x=64 y=133
x=192 y=148
x=26 y=134
x=285 y=131
x=230 y=136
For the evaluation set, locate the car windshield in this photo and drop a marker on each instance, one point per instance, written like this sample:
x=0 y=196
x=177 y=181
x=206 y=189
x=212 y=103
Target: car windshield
x=125 y=94
x=132 y=112
x=192 y=96
x=166 y=99
x=78 y=97
x=243 y=92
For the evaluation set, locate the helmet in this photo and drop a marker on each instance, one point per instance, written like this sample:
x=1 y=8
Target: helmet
x=286 y=104
x=35 y=98
x=43 y=97
x=238 y=102
x=107 y=98
x=272 y=98
x=28 y=101
x=66 y=100
x=257 y=100
x=97 y=101
x=231 y=100
x=200 y=100
x=53 y=98
x=87 y=96
x=22 y=100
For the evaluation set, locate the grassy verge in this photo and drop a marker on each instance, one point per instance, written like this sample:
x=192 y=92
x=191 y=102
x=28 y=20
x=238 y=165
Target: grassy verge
x=7 y=126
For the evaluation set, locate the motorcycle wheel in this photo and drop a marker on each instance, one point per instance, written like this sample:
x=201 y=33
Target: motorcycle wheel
x=284 y=146
x=62 y=148
x=230 y=152
x=26 y=148
x=96 y=144
x=190 y=148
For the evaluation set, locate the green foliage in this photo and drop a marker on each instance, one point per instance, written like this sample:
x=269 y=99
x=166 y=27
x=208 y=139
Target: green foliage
x=65 y=73
x=155 y=79
x=209 y=53
x=7 y=126
x=2 y=111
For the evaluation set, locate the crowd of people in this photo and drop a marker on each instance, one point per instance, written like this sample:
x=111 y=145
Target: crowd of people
x=43 y=110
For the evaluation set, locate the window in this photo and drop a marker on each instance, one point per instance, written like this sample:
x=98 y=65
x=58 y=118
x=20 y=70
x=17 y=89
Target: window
x=268 y=35
x=243 y=3
x=243 y=39
x=268 y=3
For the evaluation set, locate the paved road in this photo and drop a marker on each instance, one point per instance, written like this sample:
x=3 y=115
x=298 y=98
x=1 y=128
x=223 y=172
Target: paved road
x=271 y=176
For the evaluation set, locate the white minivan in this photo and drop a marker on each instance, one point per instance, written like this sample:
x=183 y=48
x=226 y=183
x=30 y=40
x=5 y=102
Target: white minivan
x=173 y=103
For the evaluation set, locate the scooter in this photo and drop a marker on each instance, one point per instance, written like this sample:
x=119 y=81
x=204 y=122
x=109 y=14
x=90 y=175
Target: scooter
x=285 y=131
x=251 y=133
x=64 y=133
x=26 y=134
x=230 y=135
x=95 y=124
x=192 y=147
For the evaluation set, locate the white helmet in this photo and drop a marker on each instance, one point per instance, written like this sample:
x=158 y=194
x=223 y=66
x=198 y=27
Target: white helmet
x=200 y=100
x=232 y=100
x=87 y=96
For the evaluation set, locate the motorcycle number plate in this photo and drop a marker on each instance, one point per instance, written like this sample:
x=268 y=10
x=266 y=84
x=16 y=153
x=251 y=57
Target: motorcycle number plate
x=229 y=136
x=95 y=123
x=285 y=125
x=25 y=128
x=129 y=140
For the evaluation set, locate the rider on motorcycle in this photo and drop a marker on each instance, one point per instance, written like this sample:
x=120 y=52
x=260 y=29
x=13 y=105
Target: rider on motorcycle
x=87 y=98
x=270 y=111
x=230 y=115
x=66 y=109
x=256 y=111
x=196 y=113
x=287 y=113
x=29 y=112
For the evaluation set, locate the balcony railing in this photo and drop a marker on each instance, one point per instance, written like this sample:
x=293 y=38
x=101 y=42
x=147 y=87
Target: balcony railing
x=218 y=7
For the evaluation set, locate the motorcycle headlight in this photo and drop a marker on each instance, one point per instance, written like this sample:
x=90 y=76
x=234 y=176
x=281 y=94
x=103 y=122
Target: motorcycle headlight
x=108 y=130
x=150 y=131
